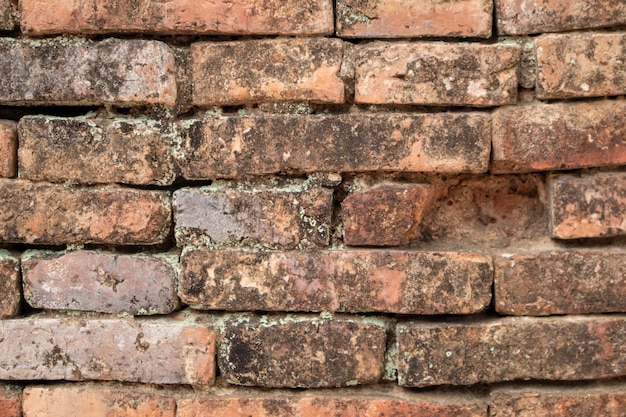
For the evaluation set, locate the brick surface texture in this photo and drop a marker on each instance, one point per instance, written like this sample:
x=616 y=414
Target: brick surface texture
x=10 y=285
x=8 y=148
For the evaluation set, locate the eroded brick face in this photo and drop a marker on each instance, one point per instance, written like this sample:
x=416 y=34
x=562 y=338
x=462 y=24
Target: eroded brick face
x=10 y=401
x=8 y=148
x=7 y=10
x=10 y=285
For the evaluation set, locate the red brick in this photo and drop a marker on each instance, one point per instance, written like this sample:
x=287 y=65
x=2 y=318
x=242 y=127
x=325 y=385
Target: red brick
x=348 y=281
x=399 y=19
x=437 y=74
x=94 y=401
x=95 y=150
x=55 y=214
x=228 y=146
x=557 y=348
x=7 y=21
x=103 y=282
x=274 y=70
x=519 y=17
x=75 y=349
x=587 y=206
x=113 y=71
x=581 y=65
x=8 y=148
x=255 y=17
x=559 y=136
x=220 y=215
x=299 y=352
x=10 y=286
x=561 y=282
x=10 y=401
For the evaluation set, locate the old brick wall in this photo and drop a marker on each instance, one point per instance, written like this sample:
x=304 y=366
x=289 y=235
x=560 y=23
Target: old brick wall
x=313 y=208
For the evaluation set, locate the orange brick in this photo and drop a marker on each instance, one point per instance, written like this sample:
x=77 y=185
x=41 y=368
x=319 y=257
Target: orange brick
x=10 y=285
x=10 y=401
x=7 y=21
x=8 y=148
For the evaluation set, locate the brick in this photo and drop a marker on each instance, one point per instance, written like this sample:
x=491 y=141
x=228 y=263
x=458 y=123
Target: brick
x=10 y=286
x=556 y=348
x=274 y=70
x=561 y=282
x=8 y=148
x=7 y=22
x=401 y=282
x=94 y=401
x=10 y=401
x=418 y=18
x=76 y=349
x=85 y=150
x=301 y=352
x=102 y=282
x=437 y=74
x=558 y=136
x=287 y=217
x=228 y=146
x=137 y=72
x=587 y=206
x=520 y=17
x=253 y=17
x=55 y=214
x=581 y=65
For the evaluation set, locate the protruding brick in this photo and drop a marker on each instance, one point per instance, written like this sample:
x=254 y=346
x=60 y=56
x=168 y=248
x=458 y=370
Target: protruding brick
x=556 y=348
x=7 y=22
x=349 y=281
x=228 y=146
x=561 y=282
x=275 y=70
x=271 y=217
x=10 y=401
x=399 y=19
x=437 y=74
x=520 y=17
x=94 y=401
x=301 y=352
x=84 y=150
x=55 y=214
x=8 y=148
x=113 y=71
x=581 y=65
x=240 y=17
x=10 y=286
x=94 y=281
x=77 y=349
x=559 y=136
x=587 y=206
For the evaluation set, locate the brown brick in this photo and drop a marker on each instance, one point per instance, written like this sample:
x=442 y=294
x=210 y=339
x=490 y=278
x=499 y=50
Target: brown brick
x=113 y=71
x=274 y=70
x=437 y=74
x=7 y=22
x=76 y=349
x=94 y=401
x=519 y=17
x=559 y=136
x=103 y=282
x=348 y=281
x=10 y=286
x=587 y=206
x=8 y=148
x=581 y=65
x=219 y=215
x=84 y=150
x=255 y=17
x=55 y=214
x=298 y=351
x=399 y=19
x=10 y=401
x=561 y=282
x=556 y=348
x=228 y=146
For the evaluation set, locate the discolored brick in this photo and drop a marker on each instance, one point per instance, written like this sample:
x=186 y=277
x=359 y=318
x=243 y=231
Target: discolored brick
x=10 y=401
x=10 y=285
x=7 y=20
x=8 y=148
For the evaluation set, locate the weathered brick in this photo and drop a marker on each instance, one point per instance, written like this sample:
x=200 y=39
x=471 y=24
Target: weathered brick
x=76 y=349
x=587 y=206
x=300 y=352
x=228 y=146
x=437 y=74
x=7 y=9
x=98 y=150
x=10 y=401
x=559 y=136
x=287 y=217
x=10 y=285
x=275 y=70
x=399 y=19
x=113 y=71
x=8 y=148
x=55 y=214
x=103 y=282
x=241 y=17
x=94 y=401
x=581 y=65
x=556 y=348
x=519 y=17
x=348 y=281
